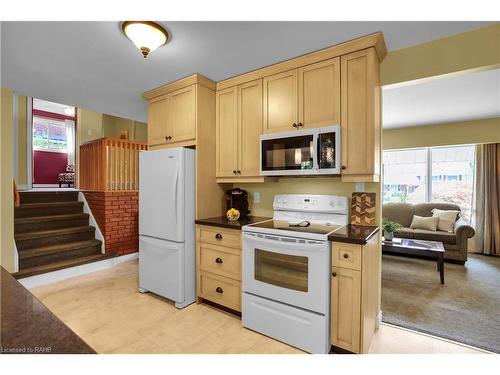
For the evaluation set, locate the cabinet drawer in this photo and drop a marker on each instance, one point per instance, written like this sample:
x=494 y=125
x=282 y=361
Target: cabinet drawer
x=221 y=290
x=222 y=261
x=346 y=255
x=219 y=236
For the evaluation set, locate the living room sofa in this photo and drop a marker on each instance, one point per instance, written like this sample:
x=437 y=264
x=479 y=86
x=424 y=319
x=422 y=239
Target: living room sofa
x=455 y=243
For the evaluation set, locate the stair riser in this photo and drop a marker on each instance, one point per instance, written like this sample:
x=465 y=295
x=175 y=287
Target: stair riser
x=48 y=197
x=47 y=211
x=50 y=258
x=55 y=240
x=48 y=225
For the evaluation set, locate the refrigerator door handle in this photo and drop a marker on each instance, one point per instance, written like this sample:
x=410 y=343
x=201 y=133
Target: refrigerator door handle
x=175 y=193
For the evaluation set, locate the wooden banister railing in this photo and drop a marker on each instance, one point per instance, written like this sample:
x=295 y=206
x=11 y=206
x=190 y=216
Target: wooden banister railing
x=110 y=164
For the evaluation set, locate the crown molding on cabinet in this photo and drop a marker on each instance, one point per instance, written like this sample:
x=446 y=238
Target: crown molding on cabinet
x=375 y=40
x=179 y=84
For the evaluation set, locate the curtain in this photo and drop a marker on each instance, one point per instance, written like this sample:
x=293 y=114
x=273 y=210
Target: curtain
x=486 y=204
x=70 y=141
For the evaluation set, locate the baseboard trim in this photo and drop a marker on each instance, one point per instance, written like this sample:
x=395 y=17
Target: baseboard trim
x=68 y=273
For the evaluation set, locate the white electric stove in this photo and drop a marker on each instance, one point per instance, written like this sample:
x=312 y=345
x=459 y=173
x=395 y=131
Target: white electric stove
x=286 y=270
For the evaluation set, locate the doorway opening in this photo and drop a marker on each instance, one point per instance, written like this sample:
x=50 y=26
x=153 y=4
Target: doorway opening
x=53 y=139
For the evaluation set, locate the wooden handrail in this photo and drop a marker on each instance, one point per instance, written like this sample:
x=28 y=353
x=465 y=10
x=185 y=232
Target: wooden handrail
x=17 y=198
x=110 y=164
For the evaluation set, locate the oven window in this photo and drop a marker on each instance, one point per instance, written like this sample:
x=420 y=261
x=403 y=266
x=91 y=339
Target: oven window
x=286 y=271
x=326 y=150
x=287 y=153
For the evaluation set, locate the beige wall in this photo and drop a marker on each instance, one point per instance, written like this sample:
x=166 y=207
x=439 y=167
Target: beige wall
x=316 y=185
x=468 y=132
x=6 y=177
x=22 y=162
x=113 y=126
x=476 y=49
x=89 y=125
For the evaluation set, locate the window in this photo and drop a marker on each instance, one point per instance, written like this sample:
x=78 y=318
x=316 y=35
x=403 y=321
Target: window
x=49 y=134
x=451 y=171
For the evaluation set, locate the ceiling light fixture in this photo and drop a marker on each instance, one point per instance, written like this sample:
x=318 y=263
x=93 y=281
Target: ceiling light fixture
x=146 y=35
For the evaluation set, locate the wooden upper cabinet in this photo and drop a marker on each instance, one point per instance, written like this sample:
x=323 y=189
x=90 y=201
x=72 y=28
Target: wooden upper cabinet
x=158 y=121
x=280 y=102
x=226 y=132
x=249 y=127
x=319 y=94
x=360 y=116
x=182 y=118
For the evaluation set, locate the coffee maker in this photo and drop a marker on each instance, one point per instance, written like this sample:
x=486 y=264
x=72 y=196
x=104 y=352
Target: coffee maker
x=237 y=199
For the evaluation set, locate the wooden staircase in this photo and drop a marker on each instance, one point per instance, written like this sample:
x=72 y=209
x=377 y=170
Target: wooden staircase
x=52 y=232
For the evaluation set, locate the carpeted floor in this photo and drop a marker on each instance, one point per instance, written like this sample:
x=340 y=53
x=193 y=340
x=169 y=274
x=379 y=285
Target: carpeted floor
x=465 y=309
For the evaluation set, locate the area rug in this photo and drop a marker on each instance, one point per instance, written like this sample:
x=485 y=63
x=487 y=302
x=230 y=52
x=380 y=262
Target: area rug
x=465 y=309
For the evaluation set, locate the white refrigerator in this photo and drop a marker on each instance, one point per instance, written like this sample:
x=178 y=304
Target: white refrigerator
x=166 y=224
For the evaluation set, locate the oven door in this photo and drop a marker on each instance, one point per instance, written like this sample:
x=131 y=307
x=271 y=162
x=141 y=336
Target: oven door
x=291 y=153
x=289 y=270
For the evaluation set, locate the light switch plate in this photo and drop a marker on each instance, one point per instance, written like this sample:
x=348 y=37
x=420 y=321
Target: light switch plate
x=256 y=197
x=360 y=187
x=89 y=132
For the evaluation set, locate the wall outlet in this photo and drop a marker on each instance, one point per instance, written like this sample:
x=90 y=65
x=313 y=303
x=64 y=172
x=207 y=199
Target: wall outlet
x=256 y=197
x=360 y=187
x=89 y=132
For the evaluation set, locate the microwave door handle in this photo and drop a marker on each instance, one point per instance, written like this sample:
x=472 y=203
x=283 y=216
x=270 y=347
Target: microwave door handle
x=318 y=151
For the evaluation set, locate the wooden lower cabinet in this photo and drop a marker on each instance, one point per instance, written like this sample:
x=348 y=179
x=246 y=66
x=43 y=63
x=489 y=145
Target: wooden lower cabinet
x=218 y=265
x=355 y=295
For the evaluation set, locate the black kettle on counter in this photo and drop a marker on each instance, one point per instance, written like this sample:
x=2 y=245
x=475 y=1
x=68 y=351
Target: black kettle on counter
x=237 y=199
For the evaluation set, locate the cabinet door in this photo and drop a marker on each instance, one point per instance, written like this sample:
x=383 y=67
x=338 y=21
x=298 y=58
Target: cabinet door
x=280 y=102
x=158 y=121
x=319 y=94
x=360 y=94
x=182 y=118
x=345 y=324
x=250 y=128
x=226 y=132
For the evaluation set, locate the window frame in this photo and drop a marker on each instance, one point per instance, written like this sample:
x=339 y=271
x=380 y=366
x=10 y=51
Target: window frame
x=50 y=116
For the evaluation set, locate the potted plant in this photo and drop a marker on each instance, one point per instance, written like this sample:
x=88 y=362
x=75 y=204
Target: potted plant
x=390 y=227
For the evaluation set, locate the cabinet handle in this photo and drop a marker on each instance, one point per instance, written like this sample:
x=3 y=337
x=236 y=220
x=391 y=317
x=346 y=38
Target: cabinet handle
x=294 y=125
x=166 y=137
x=218 y=236
x=219 y=290
x=218 y=260
x=334 y=274
x=238 y=171
x=343 y=167
x=234 y=171
x=300 y=124
x=346 y=255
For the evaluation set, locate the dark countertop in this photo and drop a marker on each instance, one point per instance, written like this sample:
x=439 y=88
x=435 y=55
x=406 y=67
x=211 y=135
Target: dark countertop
x=27 y=326
x=357 y=234
x=223 y=222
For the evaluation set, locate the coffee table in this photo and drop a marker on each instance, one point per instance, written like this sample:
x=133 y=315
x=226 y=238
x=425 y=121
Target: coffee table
x=417 y=247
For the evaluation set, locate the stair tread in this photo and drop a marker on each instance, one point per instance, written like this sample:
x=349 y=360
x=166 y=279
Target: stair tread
x=46 y=250
x=31 y=219
x=53 y=232
x=61 y=265
x=49 y=204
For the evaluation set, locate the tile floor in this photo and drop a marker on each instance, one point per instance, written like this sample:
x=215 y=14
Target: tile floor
x=107 y=311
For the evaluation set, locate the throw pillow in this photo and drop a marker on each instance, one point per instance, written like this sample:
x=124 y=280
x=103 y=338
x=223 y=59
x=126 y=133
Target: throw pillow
x=447 y=219
x=422 y=222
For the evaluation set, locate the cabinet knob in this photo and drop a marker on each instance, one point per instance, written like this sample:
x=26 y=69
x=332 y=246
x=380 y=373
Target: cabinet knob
x=218 y=236
x=334 y=274
x=300 y=124
x=294 y=125
x=346 y=255
x=218 y=260
x=166 y=137
x=219 y=290
x=343 y=167
x=238 y=171
x=234 y=171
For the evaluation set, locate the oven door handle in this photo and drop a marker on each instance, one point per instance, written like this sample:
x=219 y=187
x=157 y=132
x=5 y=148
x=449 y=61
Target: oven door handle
x=275 y=245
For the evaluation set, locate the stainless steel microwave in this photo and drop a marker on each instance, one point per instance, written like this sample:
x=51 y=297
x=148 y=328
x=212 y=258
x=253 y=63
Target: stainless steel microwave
x=301 y=152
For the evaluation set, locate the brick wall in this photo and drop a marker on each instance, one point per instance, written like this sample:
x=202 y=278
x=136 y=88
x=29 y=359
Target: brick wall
x=117 y=214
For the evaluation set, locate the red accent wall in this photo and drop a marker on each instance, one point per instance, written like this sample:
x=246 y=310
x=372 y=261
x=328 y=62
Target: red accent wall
x=47 y=166
x=117 y=214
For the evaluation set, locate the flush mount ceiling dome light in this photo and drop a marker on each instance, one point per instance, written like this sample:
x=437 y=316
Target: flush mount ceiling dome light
x=146 y=35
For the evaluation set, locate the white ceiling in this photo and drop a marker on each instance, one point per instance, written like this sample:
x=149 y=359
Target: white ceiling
x=457 y=98
x=93 y=65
